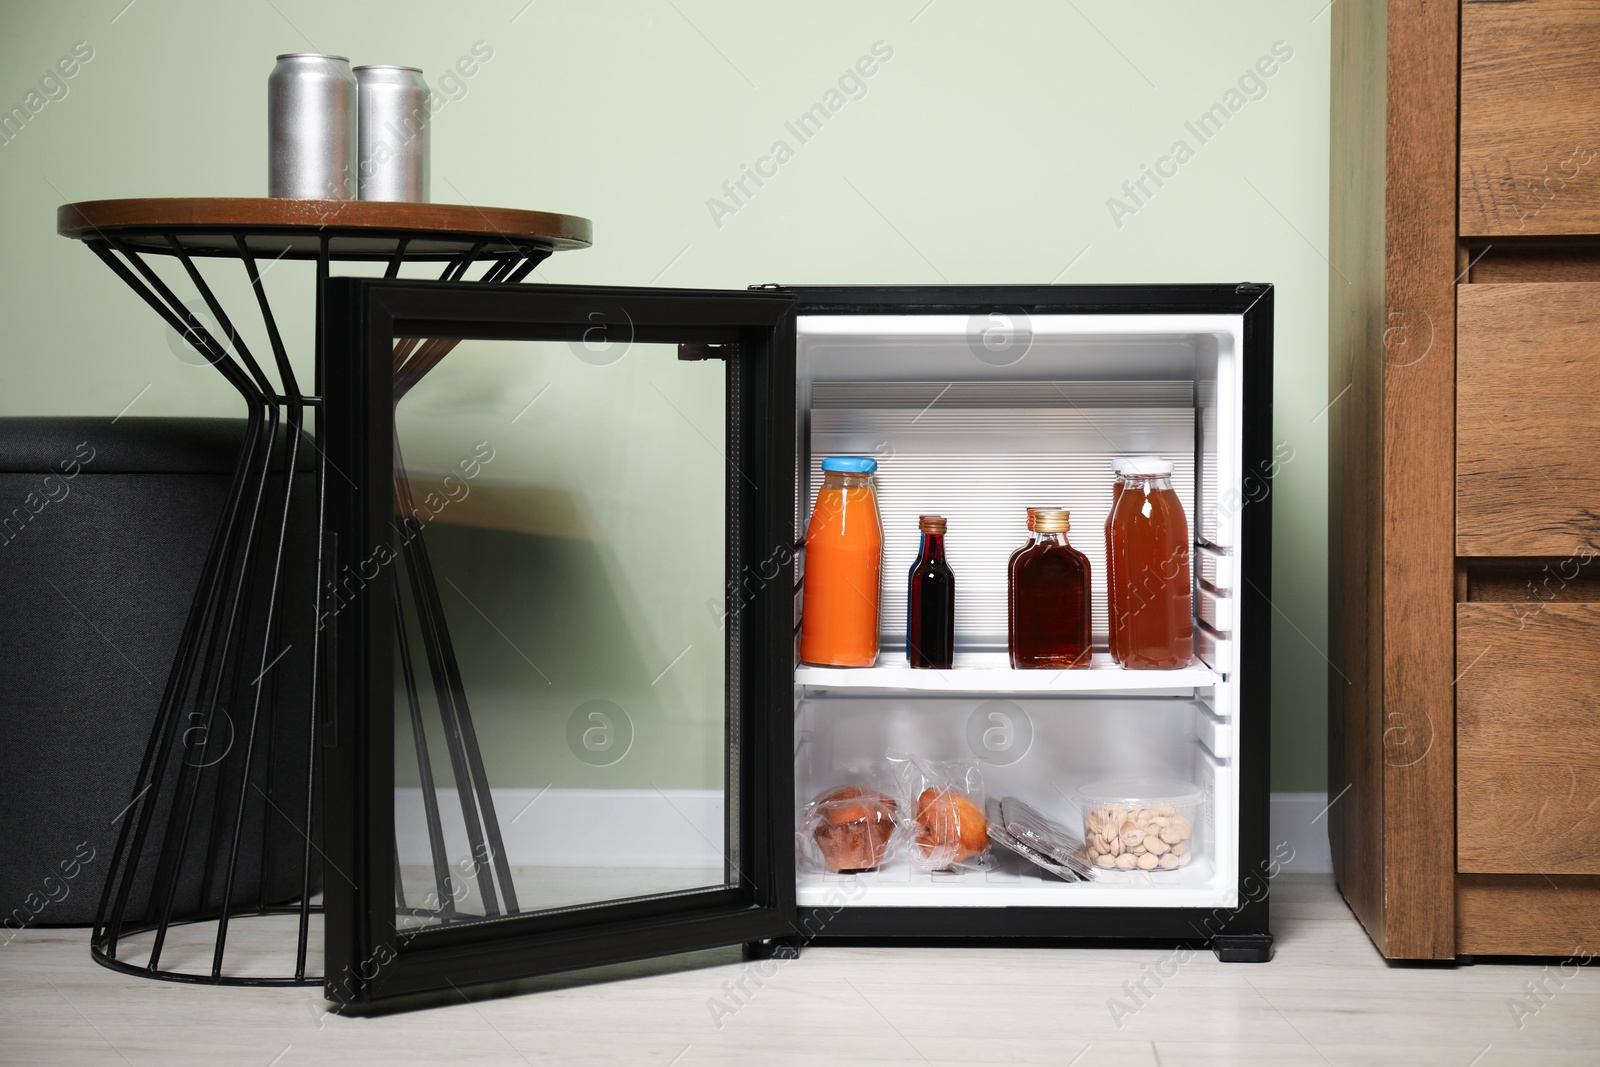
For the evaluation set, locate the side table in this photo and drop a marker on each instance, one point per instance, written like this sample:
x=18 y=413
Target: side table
x=223 y=769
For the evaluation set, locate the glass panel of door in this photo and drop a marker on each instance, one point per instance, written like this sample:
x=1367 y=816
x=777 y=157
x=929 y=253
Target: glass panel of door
x=562 y=734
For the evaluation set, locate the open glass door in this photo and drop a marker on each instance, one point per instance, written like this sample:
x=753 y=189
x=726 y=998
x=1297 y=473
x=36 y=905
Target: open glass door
x=558 y=732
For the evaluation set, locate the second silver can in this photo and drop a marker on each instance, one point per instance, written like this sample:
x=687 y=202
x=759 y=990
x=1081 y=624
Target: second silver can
x=393 y=153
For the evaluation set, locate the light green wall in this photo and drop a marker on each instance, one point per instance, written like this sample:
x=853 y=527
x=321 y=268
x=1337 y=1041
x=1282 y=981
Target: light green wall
x=984 y=150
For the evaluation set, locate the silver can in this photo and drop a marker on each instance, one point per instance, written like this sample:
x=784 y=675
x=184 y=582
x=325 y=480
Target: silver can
x=311 y=128
x=392 y=160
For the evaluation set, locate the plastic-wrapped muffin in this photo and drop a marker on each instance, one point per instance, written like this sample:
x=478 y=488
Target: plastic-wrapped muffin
x=950 y=827
x=852 y=827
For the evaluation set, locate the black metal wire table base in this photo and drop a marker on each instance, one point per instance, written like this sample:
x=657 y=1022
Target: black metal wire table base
x=229 y=777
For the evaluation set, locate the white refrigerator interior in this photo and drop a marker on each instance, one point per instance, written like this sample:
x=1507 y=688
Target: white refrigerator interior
x=977 y=419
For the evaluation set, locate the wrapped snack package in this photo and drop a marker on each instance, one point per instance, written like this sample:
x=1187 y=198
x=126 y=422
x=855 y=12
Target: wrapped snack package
x=1045 y=842
x=851 y=827
x=1002 y=835
x=946 y=802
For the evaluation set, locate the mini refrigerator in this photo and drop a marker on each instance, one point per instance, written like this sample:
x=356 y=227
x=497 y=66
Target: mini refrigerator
x=565 y=720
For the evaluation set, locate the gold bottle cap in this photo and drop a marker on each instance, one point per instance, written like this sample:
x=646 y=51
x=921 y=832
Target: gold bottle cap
x=1034 y=511
x=1052 y=520
x=933 y=524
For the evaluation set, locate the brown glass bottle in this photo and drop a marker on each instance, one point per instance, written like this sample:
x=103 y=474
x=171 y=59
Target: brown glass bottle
x=1011 y=580
x=1050 y=615
x=931 y=605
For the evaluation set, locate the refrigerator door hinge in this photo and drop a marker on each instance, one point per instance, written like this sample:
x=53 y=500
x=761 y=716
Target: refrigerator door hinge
x=698 y=350
x=1249 y=287
x=767 y=287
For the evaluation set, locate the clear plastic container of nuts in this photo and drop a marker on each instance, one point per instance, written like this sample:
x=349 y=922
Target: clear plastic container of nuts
x=1135 y=824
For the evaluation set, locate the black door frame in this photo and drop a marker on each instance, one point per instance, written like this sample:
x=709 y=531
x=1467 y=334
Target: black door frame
x=753 y=333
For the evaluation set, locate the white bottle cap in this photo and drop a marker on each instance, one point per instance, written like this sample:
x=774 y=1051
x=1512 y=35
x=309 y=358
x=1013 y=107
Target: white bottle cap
x=1146 y=467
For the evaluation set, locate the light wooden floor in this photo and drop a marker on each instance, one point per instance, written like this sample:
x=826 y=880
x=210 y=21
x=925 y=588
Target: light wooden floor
x=1327 y=999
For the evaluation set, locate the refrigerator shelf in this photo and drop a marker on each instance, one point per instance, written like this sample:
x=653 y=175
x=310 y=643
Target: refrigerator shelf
x=897 y=886
x=989 y=672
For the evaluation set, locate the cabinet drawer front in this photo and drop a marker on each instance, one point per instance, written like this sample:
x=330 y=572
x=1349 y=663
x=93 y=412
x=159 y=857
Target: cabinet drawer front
x=1531 y=915
x=1528 y=738
x=1530 y=109
x=1527 y=411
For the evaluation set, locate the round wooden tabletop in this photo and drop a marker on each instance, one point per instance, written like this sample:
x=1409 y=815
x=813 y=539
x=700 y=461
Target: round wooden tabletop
x=354 y=229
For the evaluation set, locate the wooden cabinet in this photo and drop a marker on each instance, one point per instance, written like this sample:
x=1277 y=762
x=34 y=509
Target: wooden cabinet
x=1530 y=117
x=1527 y=428
x=1464 y=488
x=1528 y=736
x=1526 y=915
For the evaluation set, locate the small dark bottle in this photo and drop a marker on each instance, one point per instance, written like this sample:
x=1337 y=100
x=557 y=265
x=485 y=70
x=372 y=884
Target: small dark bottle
x=1050 y=614
x=931 y=606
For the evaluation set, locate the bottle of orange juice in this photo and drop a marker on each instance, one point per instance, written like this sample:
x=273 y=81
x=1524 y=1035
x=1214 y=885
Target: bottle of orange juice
x=844 y=567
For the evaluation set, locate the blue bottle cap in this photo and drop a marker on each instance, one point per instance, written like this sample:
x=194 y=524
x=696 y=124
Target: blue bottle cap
x=850 y=464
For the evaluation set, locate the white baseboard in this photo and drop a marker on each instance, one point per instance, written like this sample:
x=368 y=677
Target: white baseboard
x=682 y=827
x=1301 y=820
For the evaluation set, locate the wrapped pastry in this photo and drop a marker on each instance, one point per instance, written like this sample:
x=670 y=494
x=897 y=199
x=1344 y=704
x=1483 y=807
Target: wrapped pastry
x=852 y=827
x=946 y=800
x=950 y=827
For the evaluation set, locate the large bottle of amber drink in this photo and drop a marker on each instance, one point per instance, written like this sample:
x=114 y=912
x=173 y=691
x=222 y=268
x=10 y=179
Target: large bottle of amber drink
x=1111 y=582
x=1050 y=608
x=843 y=567
x=1152 y=621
